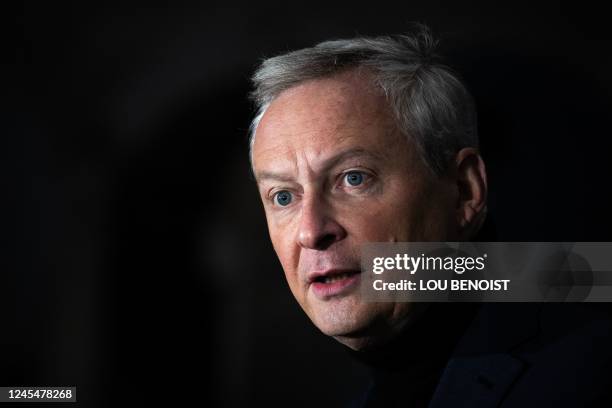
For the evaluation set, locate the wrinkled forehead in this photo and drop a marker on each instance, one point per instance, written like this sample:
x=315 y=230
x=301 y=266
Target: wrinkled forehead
x=323 y=115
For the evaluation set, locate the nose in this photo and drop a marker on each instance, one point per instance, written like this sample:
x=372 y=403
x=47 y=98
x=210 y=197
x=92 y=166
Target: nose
x=318 y=228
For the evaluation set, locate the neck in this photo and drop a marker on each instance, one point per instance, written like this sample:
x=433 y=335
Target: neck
x=428 y=341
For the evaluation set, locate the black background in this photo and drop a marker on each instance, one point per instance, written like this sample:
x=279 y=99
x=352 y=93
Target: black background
x=135 y=257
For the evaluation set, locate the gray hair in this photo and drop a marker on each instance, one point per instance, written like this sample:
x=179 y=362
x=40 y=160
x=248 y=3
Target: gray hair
x=430 y=103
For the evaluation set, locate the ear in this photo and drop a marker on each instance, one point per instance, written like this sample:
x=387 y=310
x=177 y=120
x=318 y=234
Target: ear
x=471 y=179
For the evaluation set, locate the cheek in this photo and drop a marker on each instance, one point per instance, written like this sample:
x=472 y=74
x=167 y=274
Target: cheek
x=281 y=248
x=285 y=248
x=287 y=259
x=402 y=214
x=394 y=219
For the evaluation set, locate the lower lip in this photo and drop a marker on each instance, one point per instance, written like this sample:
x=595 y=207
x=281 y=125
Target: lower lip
x=325 y=290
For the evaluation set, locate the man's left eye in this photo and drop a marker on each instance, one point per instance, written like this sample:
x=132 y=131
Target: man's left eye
x=354 y=178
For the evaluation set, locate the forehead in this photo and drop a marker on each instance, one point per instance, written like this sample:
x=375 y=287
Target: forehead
x=323 y=115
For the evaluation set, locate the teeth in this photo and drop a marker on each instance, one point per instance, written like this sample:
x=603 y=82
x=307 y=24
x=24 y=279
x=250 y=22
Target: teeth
x=334 y=278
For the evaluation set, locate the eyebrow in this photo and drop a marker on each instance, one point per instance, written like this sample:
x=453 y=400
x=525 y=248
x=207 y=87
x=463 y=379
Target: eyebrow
x=327 y=164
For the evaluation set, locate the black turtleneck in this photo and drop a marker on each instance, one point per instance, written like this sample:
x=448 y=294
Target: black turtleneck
x=406 y=371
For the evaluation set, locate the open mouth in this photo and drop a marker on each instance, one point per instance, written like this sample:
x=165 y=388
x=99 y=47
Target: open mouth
x=334 y=283
x=335 y=277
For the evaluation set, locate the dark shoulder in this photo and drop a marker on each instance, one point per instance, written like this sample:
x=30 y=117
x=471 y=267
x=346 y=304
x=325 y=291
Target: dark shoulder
x=568 y=362
x=530 y=354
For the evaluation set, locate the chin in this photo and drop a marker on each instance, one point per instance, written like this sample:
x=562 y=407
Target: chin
x=357 y=327
x=358 y=343
x=366 y=338
x=332 y=327
x=364 y=325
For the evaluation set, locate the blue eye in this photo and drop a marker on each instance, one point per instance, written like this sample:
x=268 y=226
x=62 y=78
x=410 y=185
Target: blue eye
x=354 y=178
x=283 y=198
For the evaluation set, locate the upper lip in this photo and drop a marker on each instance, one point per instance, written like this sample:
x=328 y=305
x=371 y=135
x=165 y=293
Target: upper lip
x=312 y=276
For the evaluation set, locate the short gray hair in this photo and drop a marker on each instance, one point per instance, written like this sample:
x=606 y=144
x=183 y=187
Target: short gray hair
x=430 y=103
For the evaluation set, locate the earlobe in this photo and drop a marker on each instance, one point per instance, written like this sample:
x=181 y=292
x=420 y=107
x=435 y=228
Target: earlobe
x=471 y=178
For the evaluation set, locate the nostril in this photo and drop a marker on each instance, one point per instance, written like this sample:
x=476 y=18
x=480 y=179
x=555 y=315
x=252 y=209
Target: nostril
x=317 y=230
x=325 y=241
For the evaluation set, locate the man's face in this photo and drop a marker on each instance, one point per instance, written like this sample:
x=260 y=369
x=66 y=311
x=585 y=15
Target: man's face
x=334 y=172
